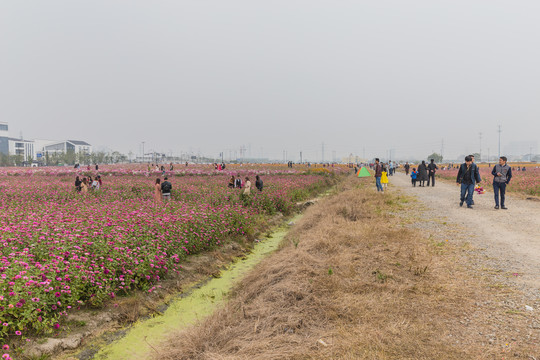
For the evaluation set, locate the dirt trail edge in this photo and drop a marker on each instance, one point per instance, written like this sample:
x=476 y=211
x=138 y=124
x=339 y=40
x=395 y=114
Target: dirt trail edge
x=510 y=237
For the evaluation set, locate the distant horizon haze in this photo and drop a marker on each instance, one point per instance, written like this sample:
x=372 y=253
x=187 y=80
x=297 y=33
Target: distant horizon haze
x=373 y=78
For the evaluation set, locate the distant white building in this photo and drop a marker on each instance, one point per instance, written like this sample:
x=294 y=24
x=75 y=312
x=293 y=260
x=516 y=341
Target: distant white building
x=20 y=147
x=38 y=148
x=4 y=138
x=77 y=146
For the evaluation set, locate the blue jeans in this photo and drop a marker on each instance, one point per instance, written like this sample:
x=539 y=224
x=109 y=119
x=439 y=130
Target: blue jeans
x=498 y=186
x=467 y=189
x=378 y=183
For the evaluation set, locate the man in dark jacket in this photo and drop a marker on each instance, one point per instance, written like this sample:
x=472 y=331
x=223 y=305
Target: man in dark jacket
x=468 y=175
x=407 y=167
x=502 y=174
x=378 y=174
x=477 y=170
x=258 y=183
x=166 y=188
x=432 y=167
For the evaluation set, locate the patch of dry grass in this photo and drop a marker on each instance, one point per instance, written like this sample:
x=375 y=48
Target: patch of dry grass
x=351 y=282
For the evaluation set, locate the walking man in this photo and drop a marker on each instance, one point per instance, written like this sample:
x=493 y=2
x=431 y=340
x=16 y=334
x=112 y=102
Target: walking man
x=502 y=174
x=432 y=167
x=476 y=168
x=467 y=176
x=378 y=174
x=407 y=167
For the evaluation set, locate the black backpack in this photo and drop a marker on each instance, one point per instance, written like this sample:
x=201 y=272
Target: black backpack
x=166 y=187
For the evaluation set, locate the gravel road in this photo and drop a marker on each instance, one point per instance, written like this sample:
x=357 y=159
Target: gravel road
x=510 y=238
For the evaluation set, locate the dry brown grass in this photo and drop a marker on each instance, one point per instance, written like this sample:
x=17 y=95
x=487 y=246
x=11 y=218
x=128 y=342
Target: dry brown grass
x=351 y=282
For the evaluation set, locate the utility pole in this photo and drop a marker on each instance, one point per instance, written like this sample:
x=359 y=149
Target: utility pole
x=300 y=157
x=480 y=136
x=322 y=152
x=500 y=140
x=442 y=148
x=143 y=151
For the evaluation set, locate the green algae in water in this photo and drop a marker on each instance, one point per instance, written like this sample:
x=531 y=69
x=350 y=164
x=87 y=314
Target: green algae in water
x=145 y=336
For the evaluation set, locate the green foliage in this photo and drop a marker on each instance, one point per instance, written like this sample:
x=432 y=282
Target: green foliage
x=437 y=157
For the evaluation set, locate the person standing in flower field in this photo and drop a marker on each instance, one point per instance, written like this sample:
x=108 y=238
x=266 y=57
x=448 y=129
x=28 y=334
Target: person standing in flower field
x=238 y=182
x=502 y=173
x=95 y=184
x=231 y=182
x=166 y=188
x=258 y=183
x=157 y=191
x=247 y=189
x=78 y=184
x=84 y=185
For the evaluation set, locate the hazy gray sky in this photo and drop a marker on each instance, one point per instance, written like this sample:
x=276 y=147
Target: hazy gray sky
x=211 y=76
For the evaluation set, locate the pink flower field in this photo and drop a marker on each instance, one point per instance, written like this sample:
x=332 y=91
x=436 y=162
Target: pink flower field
x=61 y=249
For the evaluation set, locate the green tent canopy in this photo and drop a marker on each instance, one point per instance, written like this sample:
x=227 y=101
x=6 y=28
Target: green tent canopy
x=363 y=172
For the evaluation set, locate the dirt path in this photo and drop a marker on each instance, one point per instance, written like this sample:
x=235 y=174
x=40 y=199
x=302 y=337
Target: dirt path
x=510 y=238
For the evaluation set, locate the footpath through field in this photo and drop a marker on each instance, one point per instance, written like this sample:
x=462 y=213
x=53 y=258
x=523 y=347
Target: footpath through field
x=511 y=238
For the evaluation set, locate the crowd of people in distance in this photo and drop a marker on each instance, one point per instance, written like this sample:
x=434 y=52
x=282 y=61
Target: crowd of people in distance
x=162 y=189
x=468 y=177
x=423 y=173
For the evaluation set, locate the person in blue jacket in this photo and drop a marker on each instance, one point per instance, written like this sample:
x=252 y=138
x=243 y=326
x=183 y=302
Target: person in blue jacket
x=414 y=175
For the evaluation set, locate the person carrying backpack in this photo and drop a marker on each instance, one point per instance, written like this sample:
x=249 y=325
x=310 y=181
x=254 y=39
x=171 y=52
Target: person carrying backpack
x=166 y=188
